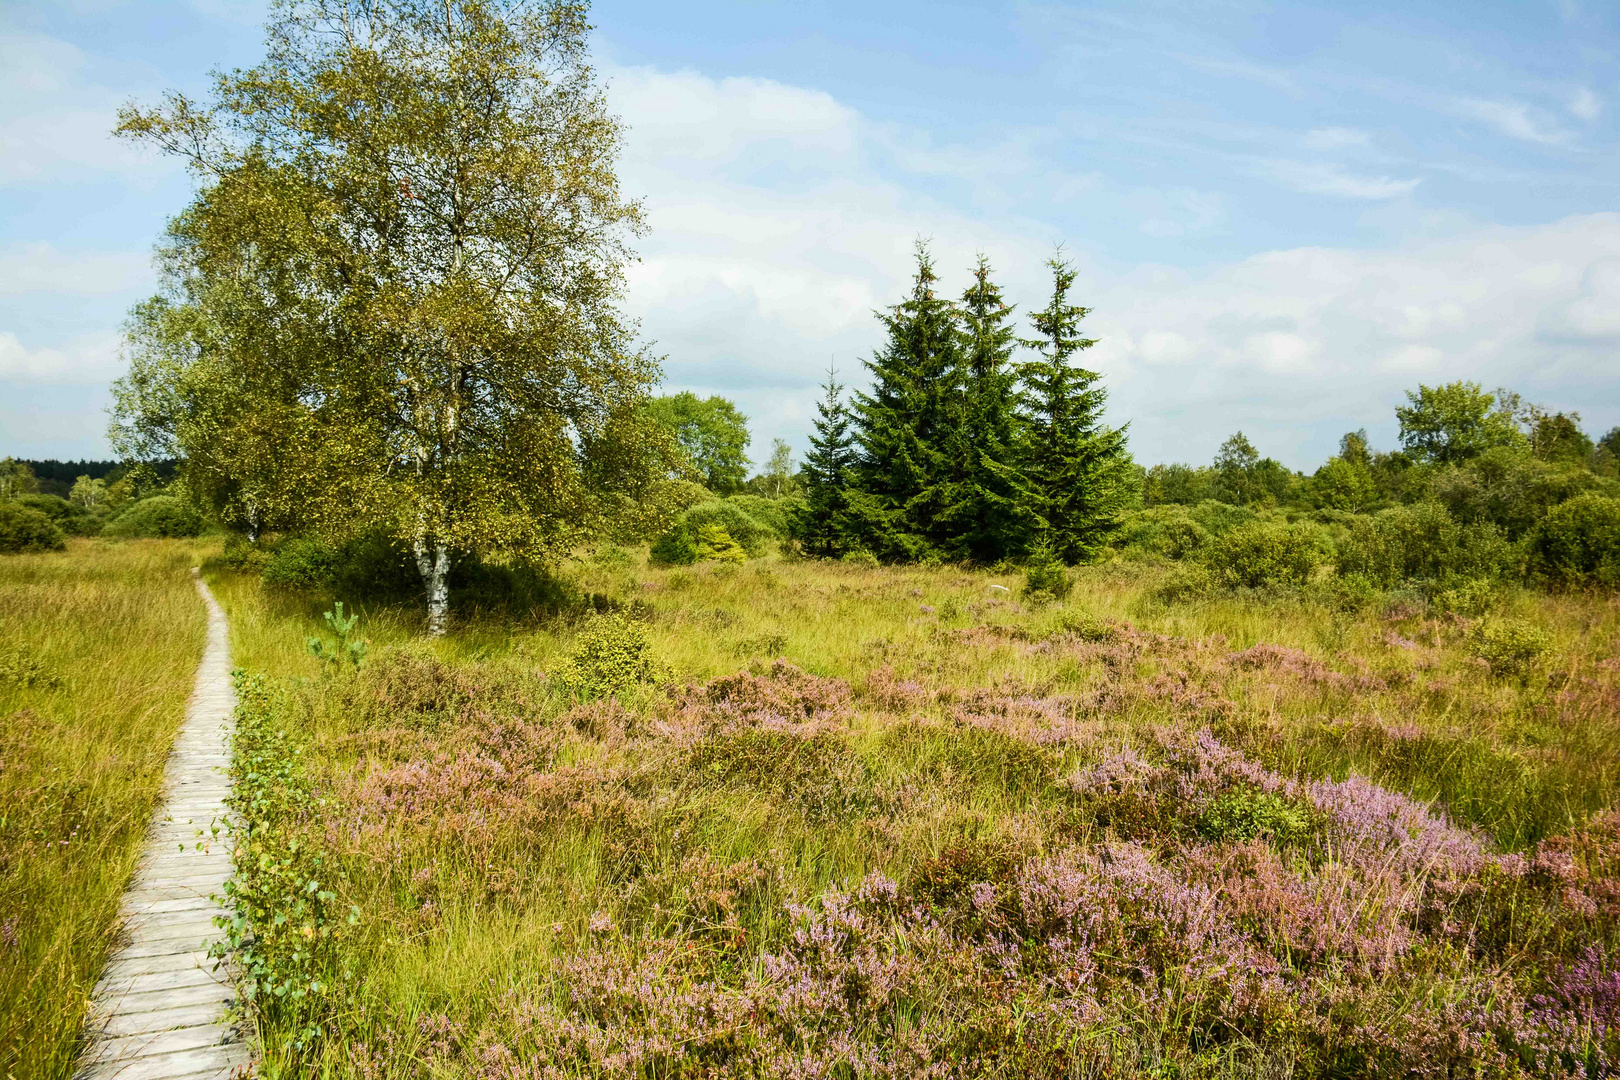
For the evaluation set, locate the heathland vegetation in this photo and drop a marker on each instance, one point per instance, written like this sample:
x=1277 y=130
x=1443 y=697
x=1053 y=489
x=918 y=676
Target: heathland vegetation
x=969 y=747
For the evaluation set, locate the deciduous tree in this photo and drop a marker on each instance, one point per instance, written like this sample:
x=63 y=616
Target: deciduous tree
x=394 y=302
x=713 y=435
x=1452 y=423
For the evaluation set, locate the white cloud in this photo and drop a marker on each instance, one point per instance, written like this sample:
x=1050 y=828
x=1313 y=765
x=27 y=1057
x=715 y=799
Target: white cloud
x=42 y=268
x=1317 y=178
x=1291 y=341
x=1586 y=105
x=1334 y=138
x=56 y=121
x=1515 y=119
x=750 y=285
x=84 y=359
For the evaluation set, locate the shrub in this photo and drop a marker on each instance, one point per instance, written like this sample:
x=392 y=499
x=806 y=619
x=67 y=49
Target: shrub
x=679 y=545
x=613 y=654
x=1511 y=489
x=23 y=529
x=773 y=514
x=1510 y=646
x=1471 y=598
x=1183 y=538
x=1216 y=517
x=301 y=562
x=1247 y=814
x=1172 y=531
x=243 y=557
x=1046 y=574
x=1253 y=556
x=1190 y=582
x=715 y=544
x=67 y=517
x=1577 y=543
x=157 y=516
x=20 y=665
x=859 y=557
x=1424 y=543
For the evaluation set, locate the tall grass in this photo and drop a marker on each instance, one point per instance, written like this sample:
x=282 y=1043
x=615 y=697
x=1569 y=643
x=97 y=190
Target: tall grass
x=98 y=648
x=533 y=872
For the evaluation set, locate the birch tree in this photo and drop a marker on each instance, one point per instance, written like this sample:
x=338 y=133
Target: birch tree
x=395 y=300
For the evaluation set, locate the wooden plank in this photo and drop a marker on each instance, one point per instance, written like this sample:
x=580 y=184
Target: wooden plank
x=141 y=1023
x=169 y=1066
x=152 y=981
x=211 y=993
x=150 y=1043
x=174 y=961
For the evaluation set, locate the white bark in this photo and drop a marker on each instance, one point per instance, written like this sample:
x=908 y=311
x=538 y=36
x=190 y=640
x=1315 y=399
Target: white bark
x=433 y=561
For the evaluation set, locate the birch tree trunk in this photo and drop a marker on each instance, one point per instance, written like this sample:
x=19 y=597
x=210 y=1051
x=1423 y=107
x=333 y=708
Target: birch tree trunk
x=433 y=561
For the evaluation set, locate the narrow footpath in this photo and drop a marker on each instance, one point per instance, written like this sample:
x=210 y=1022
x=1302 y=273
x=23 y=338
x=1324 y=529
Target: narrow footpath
x=159 y=1012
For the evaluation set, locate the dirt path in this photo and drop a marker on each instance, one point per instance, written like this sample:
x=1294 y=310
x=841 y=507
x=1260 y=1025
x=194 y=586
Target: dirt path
x=159 y=1010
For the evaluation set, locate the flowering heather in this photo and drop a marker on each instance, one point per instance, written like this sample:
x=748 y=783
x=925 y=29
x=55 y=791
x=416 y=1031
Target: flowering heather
x=780 y=695
x=1302 y=666
x=1060 y=843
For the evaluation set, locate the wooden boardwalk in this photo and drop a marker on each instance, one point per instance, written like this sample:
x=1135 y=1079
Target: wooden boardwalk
x=159 y=1012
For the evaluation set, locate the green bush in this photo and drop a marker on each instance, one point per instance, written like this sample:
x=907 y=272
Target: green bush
x=1577 y=543
x=1169 y=531
x=612 y=654
x=1423 y=543
x=716 y=545
x=1253 y=556
x=1247 y=814
x=24 y=529
x=1510 y=646
x=1046 y=576
x=679 y=545
x=1190 y=582
x=157 y=516
x=244 y=557
x=1470 y=598
x=67 y=517
x=301 y=562
x=1217 y=517
x=859 y=557
x=774 y=514
x=1512 y=489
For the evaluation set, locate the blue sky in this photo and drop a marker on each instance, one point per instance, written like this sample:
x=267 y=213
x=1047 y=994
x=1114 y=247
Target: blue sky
x=1284 y=215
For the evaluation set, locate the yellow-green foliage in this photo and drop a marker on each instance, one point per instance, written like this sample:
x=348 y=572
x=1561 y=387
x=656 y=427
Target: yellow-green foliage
x=714 y=543
x=612 y=655
x=98 y=648
x=1510 y=646
x=1262 y=554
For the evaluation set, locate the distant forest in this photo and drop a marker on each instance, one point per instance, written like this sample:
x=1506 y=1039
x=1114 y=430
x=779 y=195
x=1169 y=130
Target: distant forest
x=57 y=477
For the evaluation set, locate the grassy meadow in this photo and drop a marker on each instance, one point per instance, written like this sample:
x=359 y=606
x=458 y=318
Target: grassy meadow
x=807 y=818
x=98 y=649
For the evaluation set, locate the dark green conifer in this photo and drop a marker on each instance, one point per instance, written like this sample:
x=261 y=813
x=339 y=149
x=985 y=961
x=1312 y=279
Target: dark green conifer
x=1079 y=470
x=903 y=425
x=990 y=513
x=822 y=524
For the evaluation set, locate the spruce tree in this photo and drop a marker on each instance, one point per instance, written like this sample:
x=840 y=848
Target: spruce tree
x=990 y=513
x=903 y=425
x=822 y=524
x=1079 y=469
